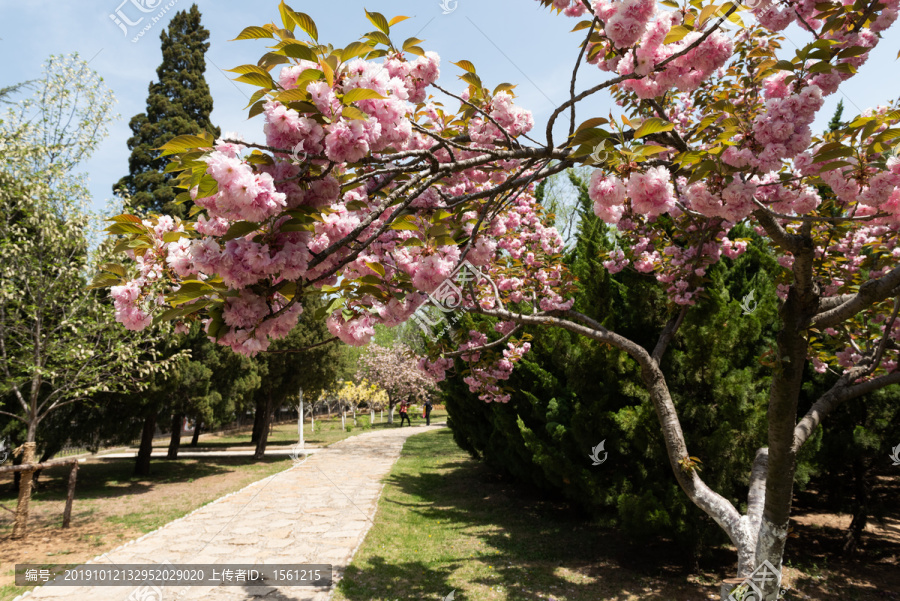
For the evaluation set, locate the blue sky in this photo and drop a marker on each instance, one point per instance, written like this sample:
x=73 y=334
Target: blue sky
x=514 y=41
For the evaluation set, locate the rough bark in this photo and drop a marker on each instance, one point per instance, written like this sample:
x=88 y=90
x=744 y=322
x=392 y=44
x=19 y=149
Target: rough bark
x=142 y=461
x=175 y=438
x=861 y=511
x=792 y=349
x=20 y=528
x=258 y=420
x=196 y=437
x=264 y=428
x=70 y=496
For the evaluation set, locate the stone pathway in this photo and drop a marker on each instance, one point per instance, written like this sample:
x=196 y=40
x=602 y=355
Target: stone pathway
x=317 y=512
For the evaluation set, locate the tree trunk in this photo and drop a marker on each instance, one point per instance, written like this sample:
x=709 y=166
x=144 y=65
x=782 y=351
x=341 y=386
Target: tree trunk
x=175 y=439
x=46 y=455
x=861 y=515
x=259 y=419
x=197 y=425
x=264 y=429
x=787 y=381
x=142 y=461
x=390 y=412
x=21 y=524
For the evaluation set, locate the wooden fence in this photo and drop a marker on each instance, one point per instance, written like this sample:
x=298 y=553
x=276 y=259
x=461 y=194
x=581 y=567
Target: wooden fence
x=32 y=467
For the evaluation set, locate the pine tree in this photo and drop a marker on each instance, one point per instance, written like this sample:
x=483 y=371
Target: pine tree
x=179 y=103
x=835 y=123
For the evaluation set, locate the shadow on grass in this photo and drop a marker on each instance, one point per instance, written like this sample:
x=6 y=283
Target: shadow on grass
x=109 y=478
x=500 y=539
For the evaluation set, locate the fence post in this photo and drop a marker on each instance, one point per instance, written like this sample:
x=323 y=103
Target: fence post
x=70 y=495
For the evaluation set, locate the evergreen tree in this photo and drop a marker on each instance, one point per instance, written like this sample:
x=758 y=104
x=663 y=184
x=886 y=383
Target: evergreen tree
x=179 y=103
x=283 y=371
x=560 y=410
x=835 y=123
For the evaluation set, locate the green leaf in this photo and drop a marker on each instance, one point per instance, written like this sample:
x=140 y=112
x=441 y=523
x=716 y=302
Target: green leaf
x=117 y=269
x=411 y=42
x=257 y=109
x=404 y=225
x=241 y=228
x=254 y=33
x=124 y=229
x=353 y=50
x=594 y=122
x=357 y=94
x=590 y=135
x=256 y=79
x=376 y=267
x=653 y=125
x=306 y=24
x=173 y=236
x=472 y=79
x=125 y=219
x=301 y=51
x=104 y=280
x=183 y=143
x=244 y=69
x=465 y=65
x=286 y=19
x=379 y=37
x=294 y=95
x=351 y=112
x=784 y=65
x=270 y=59
x=676 y=34
x=581 y=25
x=379 y=21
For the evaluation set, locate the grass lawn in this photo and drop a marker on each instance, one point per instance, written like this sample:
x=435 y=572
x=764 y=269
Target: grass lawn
x=112 y=507
x=328 y=431
x=445 y=522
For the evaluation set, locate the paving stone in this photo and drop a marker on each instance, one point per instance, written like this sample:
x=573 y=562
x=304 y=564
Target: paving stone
x=315 y=512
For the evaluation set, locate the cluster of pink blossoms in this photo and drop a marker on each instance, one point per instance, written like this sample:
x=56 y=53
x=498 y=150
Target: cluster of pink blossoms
x=514 y=120
x=485 y=379
x=135 y=300
x=651 y=193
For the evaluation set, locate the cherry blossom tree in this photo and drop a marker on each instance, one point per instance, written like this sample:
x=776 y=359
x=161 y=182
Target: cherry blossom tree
x=396 y=370
x=376 y=183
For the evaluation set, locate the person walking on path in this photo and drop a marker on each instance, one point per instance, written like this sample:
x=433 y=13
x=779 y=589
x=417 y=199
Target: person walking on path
x=426 y=413
x=404 y=414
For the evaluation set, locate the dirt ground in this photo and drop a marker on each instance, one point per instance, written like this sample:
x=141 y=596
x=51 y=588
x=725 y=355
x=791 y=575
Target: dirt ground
x=101 y=522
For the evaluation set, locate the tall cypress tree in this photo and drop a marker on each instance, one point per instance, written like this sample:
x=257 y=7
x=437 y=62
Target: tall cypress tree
x=178 y=104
